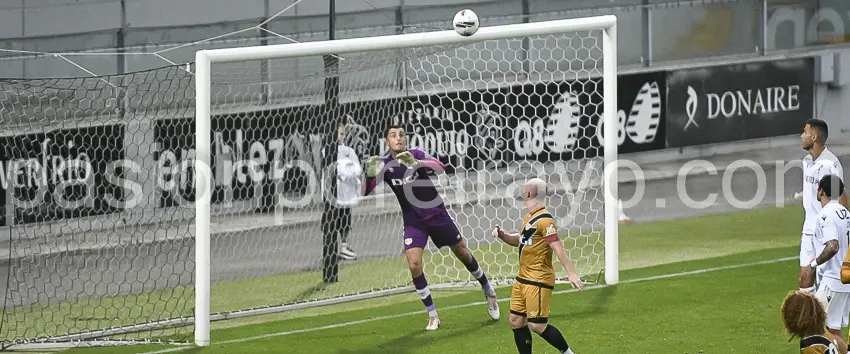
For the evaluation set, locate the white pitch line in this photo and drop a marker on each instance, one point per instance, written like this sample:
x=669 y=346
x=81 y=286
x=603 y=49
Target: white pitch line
x=477 y=303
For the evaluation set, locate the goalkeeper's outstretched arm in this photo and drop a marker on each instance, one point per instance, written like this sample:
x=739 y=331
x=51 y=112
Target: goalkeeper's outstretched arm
x=369 y=185
x=417 y=158
x=433 y=165
x=372 y=170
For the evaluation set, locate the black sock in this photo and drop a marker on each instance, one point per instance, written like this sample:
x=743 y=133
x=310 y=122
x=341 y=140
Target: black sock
x=522 y=337
x=555 y=338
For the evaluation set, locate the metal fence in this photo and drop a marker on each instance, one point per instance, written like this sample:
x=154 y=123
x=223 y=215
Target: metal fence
x=652 y=32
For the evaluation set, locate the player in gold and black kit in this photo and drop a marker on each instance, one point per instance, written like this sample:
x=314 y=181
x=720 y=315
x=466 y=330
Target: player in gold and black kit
x=535 y=282
x=804 y=317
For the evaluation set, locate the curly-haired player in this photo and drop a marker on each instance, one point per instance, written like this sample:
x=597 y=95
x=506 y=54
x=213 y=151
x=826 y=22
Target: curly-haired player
x=804 y=317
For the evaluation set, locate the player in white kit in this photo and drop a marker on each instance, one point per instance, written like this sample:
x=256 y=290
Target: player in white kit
x=818 y=163
x=832 y=235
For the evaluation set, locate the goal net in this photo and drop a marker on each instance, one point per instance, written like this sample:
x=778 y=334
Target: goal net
x=208 y=189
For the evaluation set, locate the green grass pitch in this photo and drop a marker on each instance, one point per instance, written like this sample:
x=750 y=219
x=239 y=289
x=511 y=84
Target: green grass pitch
x=702 y=285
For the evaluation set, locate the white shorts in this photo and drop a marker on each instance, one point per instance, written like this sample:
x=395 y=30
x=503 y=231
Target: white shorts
x=807 y=249
x=837 y=307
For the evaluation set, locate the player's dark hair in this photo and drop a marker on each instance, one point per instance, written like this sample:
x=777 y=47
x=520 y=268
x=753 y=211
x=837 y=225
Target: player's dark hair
x=821 y=127
x=832 y=186
x=803 y=315
x=390 y=127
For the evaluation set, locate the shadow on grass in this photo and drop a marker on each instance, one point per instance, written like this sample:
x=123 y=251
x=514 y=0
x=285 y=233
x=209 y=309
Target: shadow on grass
x=308 y=293
x=597 y=306
x=421 y=339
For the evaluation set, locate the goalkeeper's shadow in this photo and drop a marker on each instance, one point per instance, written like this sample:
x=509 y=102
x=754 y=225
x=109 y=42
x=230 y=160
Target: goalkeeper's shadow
x=419 y=338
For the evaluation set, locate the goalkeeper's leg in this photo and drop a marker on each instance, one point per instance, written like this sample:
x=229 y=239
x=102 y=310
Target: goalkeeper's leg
x=415 y=241
x=465 y=256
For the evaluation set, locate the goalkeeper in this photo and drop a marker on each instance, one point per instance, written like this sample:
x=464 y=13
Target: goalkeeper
x=424 y=214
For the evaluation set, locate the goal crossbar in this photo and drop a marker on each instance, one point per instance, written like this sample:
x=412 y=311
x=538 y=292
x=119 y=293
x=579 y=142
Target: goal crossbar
x=203 y=176
x=402 y=41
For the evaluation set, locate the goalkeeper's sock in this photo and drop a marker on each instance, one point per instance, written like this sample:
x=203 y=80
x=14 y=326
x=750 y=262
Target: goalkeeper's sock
x=522 y=337
x=479 y=275
x=555 y=338
x=424 y=292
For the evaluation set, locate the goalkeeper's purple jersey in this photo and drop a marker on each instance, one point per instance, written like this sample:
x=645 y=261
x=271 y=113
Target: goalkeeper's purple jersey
x=416 y=193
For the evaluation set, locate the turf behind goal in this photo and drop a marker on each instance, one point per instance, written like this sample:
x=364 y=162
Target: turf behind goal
x=488 y=105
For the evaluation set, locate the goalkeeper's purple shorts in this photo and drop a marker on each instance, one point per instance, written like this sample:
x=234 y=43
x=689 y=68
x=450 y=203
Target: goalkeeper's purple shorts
x=441 y=229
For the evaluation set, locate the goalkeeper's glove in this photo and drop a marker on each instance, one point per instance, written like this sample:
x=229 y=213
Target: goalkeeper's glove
x=372 y=166
x=407 y=159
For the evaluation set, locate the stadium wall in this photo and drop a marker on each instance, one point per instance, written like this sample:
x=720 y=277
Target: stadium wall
x=832 y=97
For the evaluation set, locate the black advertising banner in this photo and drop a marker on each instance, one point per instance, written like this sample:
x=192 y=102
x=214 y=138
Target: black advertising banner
x=63 y=173
x=641 y=112
x=248 y=152
x=253 y=152
x=737 y=102
x=541 y=122
x=562 y=121
x=458 y=128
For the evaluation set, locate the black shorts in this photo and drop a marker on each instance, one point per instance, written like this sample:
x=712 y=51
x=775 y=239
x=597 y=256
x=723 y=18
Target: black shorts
x=340 y=220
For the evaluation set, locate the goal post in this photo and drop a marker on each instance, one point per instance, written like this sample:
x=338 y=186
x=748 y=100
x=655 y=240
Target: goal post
x=207 y=60
x=612 y=217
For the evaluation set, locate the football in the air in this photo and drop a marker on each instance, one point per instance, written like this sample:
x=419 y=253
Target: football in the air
x=466 y=22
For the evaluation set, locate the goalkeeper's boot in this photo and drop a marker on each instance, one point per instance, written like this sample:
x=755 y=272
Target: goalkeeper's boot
x=433 y=323
x=493 y=306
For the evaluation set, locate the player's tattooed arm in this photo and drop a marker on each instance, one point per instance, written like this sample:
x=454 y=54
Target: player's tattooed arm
x=511 y=239
x=828 y=252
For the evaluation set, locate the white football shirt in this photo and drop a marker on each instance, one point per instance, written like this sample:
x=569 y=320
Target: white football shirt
x=349 y=177
x=833 y=223
x=826 y=164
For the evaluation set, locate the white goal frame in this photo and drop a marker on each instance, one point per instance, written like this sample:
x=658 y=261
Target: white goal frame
x=203 y=176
